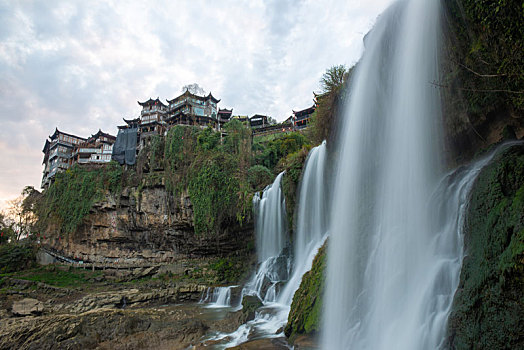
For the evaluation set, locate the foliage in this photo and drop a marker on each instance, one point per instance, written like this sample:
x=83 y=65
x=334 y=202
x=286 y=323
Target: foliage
x=7 y=233
x=489 y=53
x=230 y=269
x=20 y=217
x=16 y=256
x=489 y=309
x=157 y=152
x=269 y=153
x=293 y=165
x=333 y=86
x=56 y=276
x=213 y=189
x=179 y=153
x=68 y=200
x=259 y=177
x=213 y=172
x=306 y=308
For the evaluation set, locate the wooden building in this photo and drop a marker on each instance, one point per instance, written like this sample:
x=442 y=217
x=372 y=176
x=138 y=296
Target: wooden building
x=302 y=118
x=97 y=149
x=191 y=109
x=224 y=115
x=258 y=121
x=58 y=154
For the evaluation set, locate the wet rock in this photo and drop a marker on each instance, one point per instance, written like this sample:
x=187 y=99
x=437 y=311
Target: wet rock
x=263 y=344
x=250 y=303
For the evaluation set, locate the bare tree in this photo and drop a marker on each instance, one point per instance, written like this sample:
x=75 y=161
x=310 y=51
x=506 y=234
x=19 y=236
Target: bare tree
x=194 y=89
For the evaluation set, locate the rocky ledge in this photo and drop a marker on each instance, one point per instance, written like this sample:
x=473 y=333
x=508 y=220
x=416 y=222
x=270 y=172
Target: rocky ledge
x=144 y=225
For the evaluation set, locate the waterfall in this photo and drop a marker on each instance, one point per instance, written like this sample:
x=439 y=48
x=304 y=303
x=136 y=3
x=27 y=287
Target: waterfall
x=270 y=221
x=217 y=297
x=311 y=220
x=278 y=277
x=393 y=260
x=271 y=237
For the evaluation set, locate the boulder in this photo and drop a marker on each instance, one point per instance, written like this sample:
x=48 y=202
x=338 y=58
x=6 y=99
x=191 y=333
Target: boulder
x=27 y=307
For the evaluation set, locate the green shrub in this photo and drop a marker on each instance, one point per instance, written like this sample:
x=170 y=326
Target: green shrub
x=259 y=177
x=16 y=257
x=69 y=199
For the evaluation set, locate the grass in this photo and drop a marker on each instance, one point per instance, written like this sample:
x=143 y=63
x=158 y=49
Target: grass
x=56 y=276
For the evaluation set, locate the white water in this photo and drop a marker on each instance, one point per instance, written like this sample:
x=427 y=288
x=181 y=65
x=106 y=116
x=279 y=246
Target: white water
x=393 y=257
x=270 y=221
x=269 y=283
x=311 y=220
x=217 y=297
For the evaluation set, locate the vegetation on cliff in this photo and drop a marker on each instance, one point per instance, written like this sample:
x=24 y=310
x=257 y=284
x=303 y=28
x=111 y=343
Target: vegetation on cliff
x=490 y=53
x=482 y=79
x=306 y=309
x=67 y=202
x=333 y=89
x=488 y=311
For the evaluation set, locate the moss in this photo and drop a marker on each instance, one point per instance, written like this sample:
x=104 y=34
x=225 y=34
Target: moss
x=70 y=198
x=56 y=276
x=305 y=314
x=293 y=164
x=488 y=311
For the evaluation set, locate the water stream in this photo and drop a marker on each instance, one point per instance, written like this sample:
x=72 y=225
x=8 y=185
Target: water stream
x=396 y=243
x=279 y=273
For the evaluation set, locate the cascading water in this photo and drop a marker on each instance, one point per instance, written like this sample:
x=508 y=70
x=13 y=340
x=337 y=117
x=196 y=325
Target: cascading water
x=270 y=221
x=311 y=220
x=387 y=281
x=275 y=269
x=217 y=297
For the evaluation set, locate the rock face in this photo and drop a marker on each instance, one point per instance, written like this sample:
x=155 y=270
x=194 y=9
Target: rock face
x=304 y=316
x=144 y=225
x=26 y=307
x=103 y=329
x=476 y=78
x=488 y=310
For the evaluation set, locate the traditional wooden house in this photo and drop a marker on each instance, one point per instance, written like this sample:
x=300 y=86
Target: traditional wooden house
x=191 y=109
x=96 y=149
x=258 y=121
x=224 y=115
x=58 y=154
x=302 y=118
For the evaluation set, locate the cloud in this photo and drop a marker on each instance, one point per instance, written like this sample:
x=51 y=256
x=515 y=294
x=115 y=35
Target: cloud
x=82 y=66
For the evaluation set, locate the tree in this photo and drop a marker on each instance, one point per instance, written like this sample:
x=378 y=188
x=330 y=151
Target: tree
x=271 y=121
x=329 y=100
x=333 y=79
x=21 y=210
x=194 y=88
x=6 y=229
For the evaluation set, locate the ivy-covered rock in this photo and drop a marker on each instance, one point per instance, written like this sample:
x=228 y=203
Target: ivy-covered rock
x=305 y=314
x=488 y=311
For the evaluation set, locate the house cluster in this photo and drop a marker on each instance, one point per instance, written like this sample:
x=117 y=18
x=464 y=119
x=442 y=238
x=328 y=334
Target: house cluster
x=63 y=150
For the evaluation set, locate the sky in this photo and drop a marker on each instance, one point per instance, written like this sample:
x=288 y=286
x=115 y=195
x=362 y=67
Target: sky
x=82 y=65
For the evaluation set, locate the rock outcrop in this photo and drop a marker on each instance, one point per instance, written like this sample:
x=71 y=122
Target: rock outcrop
x=144 y=225
x=304 y=316
x=26 y=307
x=488 y=310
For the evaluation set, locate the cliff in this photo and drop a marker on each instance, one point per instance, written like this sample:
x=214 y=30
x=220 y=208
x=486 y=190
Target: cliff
x=147 y=224
x=187 y=196
x=482 y=76
x=306 y=309
x=488 y=310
